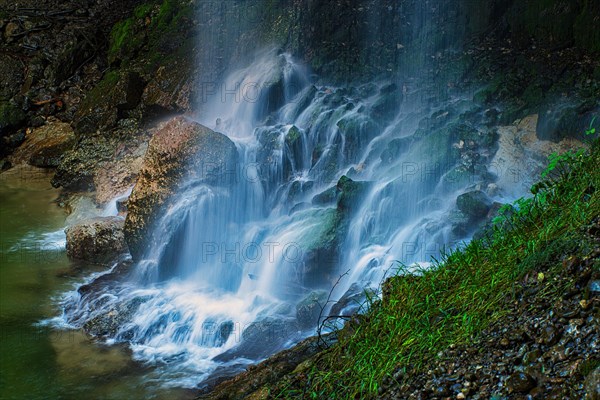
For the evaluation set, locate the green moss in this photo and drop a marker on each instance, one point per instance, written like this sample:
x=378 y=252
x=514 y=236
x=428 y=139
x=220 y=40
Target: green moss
x=98 y=93
x=121 y=32
x=142 y=10
x=293 y=135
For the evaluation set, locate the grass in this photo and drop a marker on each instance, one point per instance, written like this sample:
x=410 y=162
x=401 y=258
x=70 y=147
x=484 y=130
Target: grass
x=469 y=289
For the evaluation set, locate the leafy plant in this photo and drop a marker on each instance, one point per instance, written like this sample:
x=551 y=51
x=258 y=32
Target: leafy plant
x=591 y=130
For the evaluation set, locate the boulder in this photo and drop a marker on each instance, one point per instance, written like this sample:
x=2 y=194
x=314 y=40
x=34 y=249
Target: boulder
x=105 y=163
x=44 y=146
x=475 y=204
x=99 y=240
x=112 y=179
x=179 y=151
x=321 y=244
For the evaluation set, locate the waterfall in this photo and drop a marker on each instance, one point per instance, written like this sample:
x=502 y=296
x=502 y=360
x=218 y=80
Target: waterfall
x=330 y=180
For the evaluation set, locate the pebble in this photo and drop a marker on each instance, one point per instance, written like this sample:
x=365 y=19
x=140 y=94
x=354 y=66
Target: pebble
x=520 y=382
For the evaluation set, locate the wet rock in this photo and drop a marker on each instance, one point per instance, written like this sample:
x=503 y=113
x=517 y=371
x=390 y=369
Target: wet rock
x=99 y=240
x=112 y=179
x=387 y=104
x=354 y=297
x=563 y=121
x=294 y=147
x=520 y=382
x=320 y=245
x=108 y=324
x=347 y=194
x=309 y=309
x=475 y=204
x=180 y=150
x=394 y=149
x=328 y=196
x=44 y=146
x=358 y=130
x=260 y=337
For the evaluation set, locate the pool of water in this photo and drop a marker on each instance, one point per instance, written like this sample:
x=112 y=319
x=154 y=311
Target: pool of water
x=37 y=359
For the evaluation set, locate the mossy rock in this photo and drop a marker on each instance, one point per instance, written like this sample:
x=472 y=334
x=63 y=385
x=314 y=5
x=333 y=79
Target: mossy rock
x=358 y=130
x=77 y=166
x=11 y=116
x=475 y=204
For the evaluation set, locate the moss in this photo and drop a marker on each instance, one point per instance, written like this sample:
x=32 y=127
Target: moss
x=10 y=115
x=142 y=10
x=154 y=26
x=95 y=96
x=118 y=36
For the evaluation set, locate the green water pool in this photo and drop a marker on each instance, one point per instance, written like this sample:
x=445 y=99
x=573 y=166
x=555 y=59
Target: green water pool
x=38 y=360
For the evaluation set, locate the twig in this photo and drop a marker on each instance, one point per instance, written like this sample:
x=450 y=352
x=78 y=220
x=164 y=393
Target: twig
x=322 y=324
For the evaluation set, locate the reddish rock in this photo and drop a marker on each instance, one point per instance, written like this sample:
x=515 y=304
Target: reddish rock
x=44 y=146
x=98 y=240
x=179 y=151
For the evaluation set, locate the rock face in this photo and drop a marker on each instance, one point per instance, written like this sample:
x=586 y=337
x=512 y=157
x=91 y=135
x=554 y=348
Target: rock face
x=521 y=155
x=98 y=240
x=108 y=102
x=180 y=150
x=44 y=146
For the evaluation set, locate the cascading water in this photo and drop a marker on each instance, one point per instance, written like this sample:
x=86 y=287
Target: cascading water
x=331 y=180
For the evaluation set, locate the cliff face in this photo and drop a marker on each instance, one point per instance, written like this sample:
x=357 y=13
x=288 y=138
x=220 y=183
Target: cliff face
x=110 y=61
